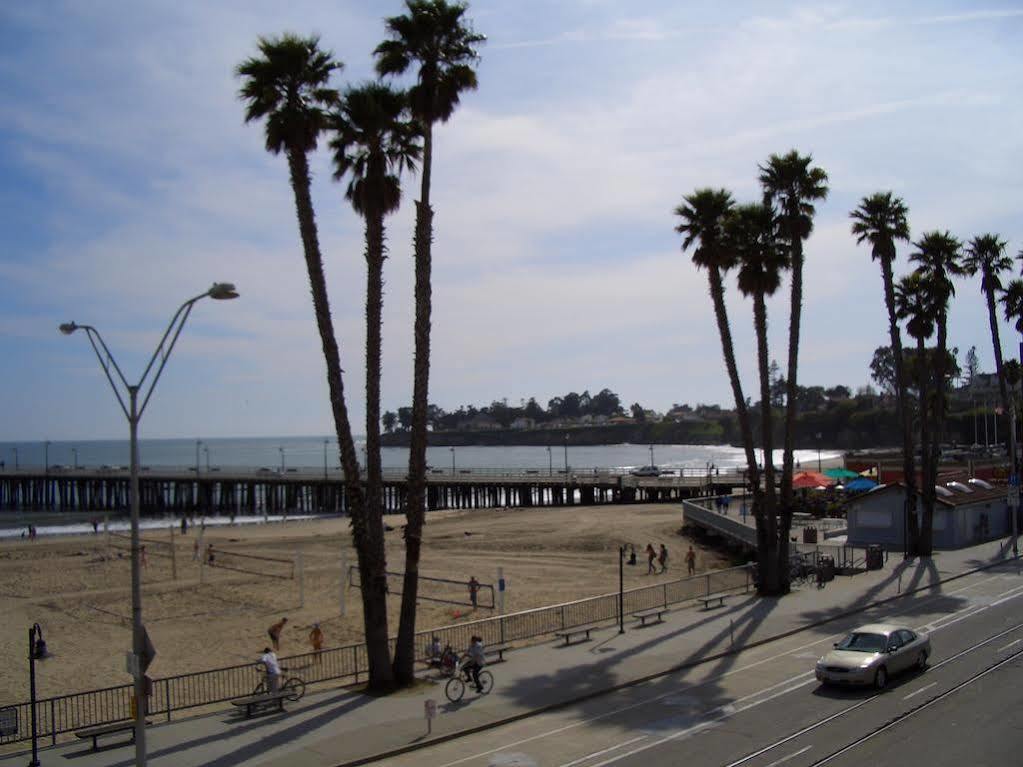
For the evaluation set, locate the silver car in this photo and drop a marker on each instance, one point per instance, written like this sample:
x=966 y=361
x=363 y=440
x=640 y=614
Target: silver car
x=872 y=653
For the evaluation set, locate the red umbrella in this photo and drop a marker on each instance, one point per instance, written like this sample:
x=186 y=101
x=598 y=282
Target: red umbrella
x=807 y=479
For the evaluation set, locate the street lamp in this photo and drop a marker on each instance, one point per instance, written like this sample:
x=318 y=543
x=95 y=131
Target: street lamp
x=566 y=454
x=281 y=448
x=652 y=462
x=818 y=452
x=74 y=452
x=452 y=461
x=133 y=411
x=46 y=457
x=15 y=458
x=198 y=443
x=621 y=589
x=550 y=462
x=206 y=452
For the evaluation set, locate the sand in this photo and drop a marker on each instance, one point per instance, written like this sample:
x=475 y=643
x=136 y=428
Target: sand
x=78 y=589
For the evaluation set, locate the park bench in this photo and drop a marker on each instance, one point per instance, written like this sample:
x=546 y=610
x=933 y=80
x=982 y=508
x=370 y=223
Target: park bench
x=252 y=703
x=498 y=650
x=567 y=634
x=99 y=731
x=654 y=615
x=711 y=599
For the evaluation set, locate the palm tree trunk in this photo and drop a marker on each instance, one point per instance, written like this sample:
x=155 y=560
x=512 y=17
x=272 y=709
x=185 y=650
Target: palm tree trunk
x=374 y=321
x=767 y=557
x=367 y=531
x=927 y=473
x=905 y=413
x=939 y=399
x=414 y=512
x=996 y=343
x=795 y=317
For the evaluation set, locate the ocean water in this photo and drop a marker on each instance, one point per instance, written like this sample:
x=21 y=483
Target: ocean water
x=313 y=452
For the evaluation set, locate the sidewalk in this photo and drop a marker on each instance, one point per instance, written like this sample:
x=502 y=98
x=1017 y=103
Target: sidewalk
x=339 y=727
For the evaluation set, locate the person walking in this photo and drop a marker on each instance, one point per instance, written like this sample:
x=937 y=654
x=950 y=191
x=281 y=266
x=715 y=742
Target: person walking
x=316 y=640
x=272 y=668
x=691 y=561
x=275 y=633
x=662 y=558
x=651 y=555
x=474 y=589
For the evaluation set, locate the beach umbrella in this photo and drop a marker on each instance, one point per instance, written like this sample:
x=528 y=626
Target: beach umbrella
x=841 y=473
x=860 y=485
x=810 y=479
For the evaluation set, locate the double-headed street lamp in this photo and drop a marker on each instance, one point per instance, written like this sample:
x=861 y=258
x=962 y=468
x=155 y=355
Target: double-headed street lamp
x=550 y=462
x=133 y=412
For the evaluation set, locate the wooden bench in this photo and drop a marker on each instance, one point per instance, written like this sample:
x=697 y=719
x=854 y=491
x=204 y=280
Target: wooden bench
x=253 y=703
x=498 y=650
x=108 y=729
x=567 y=634
x=712 y=598
x=651 y=614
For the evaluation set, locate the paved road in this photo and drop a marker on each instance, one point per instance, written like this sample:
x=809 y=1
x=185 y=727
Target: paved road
x=763 y=707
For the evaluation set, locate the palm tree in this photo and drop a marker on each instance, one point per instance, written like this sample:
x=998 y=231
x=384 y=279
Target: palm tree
x=373 y=143
x=791 y=186
x=880 y=220
x=937 y=257
x=986 y=254
x=752 y=234
x=288 y=85
x=434 y=35
x=703 y=215
x=914 y=302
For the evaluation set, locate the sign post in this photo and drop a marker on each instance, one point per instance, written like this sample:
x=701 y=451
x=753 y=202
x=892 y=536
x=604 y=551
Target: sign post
x=430 y=711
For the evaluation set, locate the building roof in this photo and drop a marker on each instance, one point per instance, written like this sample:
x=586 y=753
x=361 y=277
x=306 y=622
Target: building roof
x=956 y=497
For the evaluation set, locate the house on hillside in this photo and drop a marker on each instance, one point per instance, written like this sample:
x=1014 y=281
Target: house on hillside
x=965 y=513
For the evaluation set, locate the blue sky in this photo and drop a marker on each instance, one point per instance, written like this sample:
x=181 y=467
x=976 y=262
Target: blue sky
x=128 y=183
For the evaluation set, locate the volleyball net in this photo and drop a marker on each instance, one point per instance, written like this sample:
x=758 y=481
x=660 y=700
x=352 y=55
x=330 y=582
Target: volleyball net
x=446 y=590
x=250 y=564
x=153 y=546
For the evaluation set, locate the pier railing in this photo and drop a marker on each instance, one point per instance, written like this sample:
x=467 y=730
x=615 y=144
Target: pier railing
x=67 y=713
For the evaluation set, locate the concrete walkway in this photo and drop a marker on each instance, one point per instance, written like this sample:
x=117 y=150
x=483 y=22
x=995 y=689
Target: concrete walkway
x=339 y=727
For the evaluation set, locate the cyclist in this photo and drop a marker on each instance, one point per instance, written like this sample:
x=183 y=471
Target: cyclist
x=273 y=669
x=475 y=661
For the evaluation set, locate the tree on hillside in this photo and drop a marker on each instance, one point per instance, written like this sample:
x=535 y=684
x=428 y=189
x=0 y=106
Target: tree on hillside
x=881 y=220
x=638 y=412
x=791 y=186
x=288 y=85
x=434 y=37
x=751 y=233
x=971 y=366
x=703 y=217
x=986 y=254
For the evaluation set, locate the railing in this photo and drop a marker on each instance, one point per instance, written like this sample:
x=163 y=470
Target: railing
x=67 y=713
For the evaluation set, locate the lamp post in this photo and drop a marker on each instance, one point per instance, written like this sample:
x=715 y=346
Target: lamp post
x=46 y=457
x=33 y=633
x=133 y=412
x=550 y=462
x=818 y=452
x=621 y=588
x=281 y=448
x=652 y=462
x=566 y=455
x=15 y=458
x=198 y=443
x=452 y=461
x=206 y=452
x=325 y=443
x=74 y=452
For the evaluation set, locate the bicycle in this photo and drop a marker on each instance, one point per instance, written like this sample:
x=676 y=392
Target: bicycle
x=455 y=688
x=293 y=687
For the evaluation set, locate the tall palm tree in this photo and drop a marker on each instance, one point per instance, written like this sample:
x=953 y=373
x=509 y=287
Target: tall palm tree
x=880 y=220
x=937 y=257
x=986 y=254
x=435 y=36
x=915 y=303
x=703 y=215
x=791 y=187
x=752 y=234
x=288 y=85
x=372 y=145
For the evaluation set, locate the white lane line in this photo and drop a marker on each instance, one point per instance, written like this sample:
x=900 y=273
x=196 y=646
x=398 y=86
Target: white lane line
x=790 y=756
x=605 y=751
x=922 y=689
x=1003 y=649
x=698 y=685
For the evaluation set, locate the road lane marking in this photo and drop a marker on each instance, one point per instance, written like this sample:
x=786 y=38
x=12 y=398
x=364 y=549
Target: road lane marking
x=922 y=689
x=790 y=756
x=1003 y=649
x=605 y=751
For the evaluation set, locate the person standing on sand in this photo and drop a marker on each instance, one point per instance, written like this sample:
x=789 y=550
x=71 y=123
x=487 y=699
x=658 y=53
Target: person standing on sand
x=662 y=558
x=474 y=590
x=651 y=555
x=691 y=561
x=316 y=640
x=275 y=633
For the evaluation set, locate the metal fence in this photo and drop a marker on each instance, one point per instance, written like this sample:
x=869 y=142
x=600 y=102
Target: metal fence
x=66 y=713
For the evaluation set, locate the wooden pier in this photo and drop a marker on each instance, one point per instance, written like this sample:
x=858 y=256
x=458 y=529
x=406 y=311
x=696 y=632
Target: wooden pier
x=230 y=491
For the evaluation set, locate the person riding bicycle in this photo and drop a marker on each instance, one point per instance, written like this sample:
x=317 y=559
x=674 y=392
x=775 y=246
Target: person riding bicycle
x=475 y=661
x=273 y=669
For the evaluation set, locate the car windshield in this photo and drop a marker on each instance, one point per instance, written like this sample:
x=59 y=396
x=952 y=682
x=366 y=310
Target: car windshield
x=863 y=642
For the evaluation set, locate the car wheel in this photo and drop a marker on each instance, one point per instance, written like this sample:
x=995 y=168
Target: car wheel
x=881 y=678
x=921 y=661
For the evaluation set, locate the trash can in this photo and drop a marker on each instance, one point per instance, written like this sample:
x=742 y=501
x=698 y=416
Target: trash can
x=875 y=556
x=809 y=535
x=827 y=568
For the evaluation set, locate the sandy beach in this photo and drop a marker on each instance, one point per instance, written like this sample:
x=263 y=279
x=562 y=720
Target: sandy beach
x=78 y=587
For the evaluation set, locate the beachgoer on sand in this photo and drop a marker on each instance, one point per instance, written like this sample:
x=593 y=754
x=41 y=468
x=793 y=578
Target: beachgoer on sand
x=651 y=555
x=316 y=640
x=275 y=633
x=662 y=558
x=474 y=589
x=691 y=561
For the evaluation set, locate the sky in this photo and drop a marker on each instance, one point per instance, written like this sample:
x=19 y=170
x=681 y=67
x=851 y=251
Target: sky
x=129 y=183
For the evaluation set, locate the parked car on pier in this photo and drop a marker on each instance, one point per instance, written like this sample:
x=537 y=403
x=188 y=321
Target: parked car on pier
x=646 y=471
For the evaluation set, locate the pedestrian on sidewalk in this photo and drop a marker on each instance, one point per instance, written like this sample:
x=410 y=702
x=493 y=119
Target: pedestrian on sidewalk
x=691 y=561
x=662 y=558
x=273 y=669
x=651 y=555
x=316 y=640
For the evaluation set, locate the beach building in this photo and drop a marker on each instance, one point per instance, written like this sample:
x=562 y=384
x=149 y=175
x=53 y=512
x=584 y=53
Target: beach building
x=965 y=513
